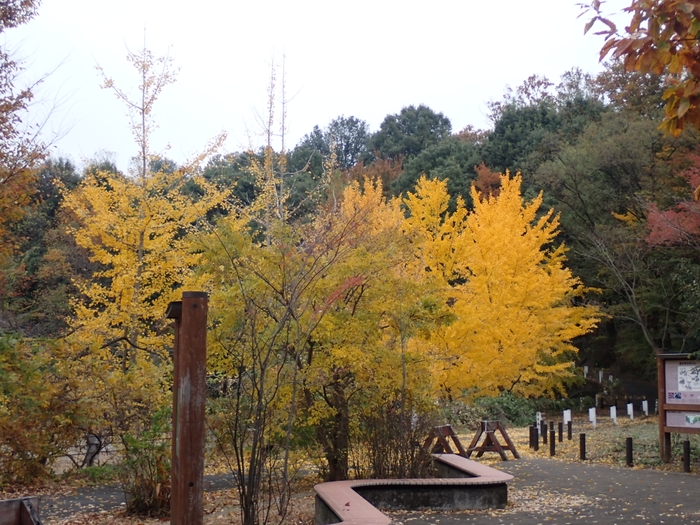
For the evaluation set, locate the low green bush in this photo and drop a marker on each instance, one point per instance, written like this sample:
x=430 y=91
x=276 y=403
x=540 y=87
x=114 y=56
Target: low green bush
x=145 y=470
x=508 y=408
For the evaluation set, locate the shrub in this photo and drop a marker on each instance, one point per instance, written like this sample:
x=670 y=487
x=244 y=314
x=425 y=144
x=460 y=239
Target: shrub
x=389 y=442
x=41 y=413
x=508 y=408
x=145 y=471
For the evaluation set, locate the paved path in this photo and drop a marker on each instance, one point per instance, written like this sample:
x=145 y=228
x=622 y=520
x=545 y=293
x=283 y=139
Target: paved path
x=553 y=492
x=545 y=491
x=95 y=499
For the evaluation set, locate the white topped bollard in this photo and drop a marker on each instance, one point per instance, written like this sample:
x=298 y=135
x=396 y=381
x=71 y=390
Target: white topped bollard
x=566 y=415
x=645 y=407
x=630 y=411
x=591 y=416
x=613 y=414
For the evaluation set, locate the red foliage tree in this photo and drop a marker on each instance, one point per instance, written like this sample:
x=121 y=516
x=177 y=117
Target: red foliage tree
x=681 y=223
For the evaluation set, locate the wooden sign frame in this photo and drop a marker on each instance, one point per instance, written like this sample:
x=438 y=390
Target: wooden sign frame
x=679 y=398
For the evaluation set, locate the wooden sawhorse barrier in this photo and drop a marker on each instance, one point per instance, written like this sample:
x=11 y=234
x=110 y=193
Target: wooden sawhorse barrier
x=443 y=446
x=491 y=443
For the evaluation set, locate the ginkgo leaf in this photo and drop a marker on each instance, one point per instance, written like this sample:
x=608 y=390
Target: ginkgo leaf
x=683 y=107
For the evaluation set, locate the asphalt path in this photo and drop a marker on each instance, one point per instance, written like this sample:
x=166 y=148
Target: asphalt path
x=95 y=499
x=544 y=492
x=554 y=492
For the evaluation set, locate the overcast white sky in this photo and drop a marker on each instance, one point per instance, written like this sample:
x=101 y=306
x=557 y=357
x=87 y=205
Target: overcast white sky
x=362 y=58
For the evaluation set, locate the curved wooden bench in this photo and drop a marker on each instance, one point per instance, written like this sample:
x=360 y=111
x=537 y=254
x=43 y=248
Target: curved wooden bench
x=20 y=511
x=465 y=484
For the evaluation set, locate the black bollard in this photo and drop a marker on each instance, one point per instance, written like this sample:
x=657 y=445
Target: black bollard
x=686 y=455
x=531 y=443
x=544 y=433
x=628 y=446
x=561 y=431
x=536 y=442
x=569 y=429
x=582 y=447
x=551 y=426
x=552 y=440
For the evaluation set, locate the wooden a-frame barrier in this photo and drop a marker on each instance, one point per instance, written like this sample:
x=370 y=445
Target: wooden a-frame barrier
x=443 y=446
x=491 y=443
x=439 y=441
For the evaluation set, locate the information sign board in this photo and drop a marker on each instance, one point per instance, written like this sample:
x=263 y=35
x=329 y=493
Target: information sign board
x=679 y=398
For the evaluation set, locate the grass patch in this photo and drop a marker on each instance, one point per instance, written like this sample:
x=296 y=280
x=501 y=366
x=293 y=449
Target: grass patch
x=605 y=444
x=107 y=474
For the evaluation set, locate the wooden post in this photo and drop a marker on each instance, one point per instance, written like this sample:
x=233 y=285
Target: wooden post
x=174 y=312
x=189 y=399
x=664 y=437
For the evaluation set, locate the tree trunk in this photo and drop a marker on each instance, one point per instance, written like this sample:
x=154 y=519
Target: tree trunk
x=337 y=439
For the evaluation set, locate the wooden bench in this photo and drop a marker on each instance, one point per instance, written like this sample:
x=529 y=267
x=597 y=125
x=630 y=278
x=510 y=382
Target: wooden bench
x=21 y=511
x=465 y=484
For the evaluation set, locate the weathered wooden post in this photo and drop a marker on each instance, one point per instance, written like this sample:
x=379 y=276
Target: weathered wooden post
x=189 y=398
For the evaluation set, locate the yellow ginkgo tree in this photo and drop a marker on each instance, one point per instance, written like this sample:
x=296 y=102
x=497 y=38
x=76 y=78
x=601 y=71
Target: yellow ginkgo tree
x=516 y=306
x=364 y=366
x=134 y=228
